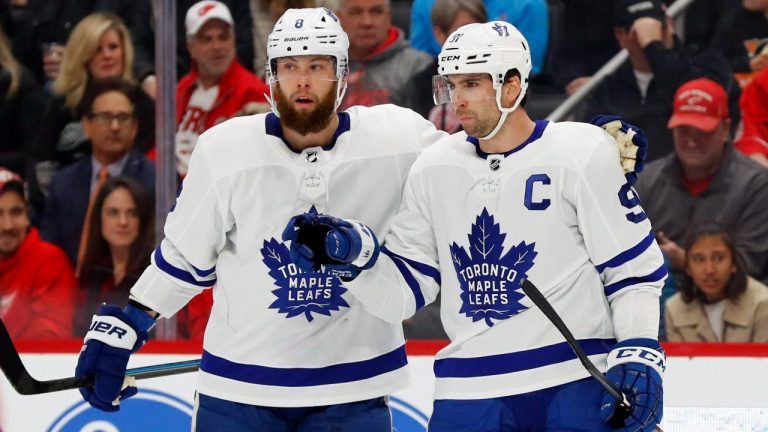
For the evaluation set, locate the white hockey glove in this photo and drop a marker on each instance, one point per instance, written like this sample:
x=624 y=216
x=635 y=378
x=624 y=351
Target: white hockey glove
x=631 y=142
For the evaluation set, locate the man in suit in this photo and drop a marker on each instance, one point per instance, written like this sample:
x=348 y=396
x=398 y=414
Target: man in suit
x=109 y=121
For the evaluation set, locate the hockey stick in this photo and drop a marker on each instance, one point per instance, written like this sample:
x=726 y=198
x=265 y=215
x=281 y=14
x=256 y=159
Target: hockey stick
x=25 y=384
x=623 y=410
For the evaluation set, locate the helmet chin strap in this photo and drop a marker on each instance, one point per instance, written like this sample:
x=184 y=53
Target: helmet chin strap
x=504 y=111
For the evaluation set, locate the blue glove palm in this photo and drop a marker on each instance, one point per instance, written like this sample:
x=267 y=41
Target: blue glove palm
x=337 y=246
x=631 y=142
x=635 y=367
x=114 y=334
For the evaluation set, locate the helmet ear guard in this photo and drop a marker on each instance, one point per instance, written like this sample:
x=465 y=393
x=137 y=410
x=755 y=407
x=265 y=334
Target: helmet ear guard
x=314 y=31
x=492 y=48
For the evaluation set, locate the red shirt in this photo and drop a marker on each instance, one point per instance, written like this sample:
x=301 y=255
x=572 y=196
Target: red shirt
x=37 y=291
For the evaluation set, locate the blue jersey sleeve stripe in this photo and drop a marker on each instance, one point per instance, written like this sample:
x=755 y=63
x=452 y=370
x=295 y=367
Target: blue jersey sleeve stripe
x=304 y=377
x=413 y=284
x=657 y=275
x=178 y=273
x=628 y=255
x=422 y=268
x=204 y=273
x=517 y=361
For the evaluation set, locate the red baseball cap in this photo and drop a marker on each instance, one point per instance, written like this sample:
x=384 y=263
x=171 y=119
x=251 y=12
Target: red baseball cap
x=9 y=179
x=701 y=103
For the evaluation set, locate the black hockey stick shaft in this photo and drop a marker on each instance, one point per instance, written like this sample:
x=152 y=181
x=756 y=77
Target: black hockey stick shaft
x=533 y=293
x=25 y=384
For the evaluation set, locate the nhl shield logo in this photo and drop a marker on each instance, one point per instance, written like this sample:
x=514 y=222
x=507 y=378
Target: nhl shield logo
x=494 y=163
x=311 y=156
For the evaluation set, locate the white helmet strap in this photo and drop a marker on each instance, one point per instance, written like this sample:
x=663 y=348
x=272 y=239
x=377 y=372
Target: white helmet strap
x=505 y=111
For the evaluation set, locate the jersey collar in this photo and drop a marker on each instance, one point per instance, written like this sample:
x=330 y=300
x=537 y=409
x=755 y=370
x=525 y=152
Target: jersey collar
x=537 y=132
x=274 y=128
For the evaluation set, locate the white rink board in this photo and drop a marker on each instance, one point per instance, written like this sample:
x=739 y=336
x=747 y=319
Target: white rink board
x=701 y=394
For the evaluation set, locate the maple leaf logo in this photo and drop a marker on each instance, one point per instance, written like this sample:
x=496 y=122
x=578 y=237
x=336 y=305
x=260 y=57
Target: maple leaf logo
x=299 y=292
x=490 y=281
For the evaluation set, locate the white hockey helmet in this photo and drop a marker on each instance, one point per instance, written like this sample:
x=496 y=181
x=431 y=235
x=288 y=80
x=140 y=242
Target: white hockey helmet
x=311 y=31
x=495 y=48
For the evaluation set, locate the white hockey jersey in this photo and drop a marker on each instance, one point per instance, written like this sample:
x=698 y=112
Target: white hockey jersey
x=277 y=336
x=556 y=210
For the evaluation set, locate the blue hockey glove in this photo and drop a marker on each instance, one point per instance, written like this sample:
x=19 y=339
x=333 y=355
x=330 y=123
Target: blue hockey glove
x=631 y=141
x=114 y=334
x=341 y=247
x=635 y=367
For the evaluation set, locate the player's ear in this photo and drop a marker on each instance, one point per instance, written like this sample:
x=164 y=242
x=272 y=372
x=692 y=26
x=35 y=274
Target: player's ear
x=510 y=90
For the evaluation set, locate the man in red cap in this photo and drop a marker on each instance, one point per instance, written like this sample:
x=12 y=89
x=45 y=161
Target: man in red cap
x=706 y=179
x=37 y=283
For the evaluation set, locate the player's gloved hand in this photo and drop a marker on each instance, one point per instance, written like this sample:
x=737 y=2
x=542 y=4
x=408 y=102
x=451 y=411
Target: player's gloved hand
x=341 y=247
x=635 y=367
x=114 y=334
x=631 y=141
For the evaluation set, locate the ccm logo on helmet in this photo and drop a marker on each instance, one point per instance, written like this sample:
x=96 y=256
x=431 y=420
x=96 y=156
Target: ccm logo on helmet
x=449 y=58
x=296 y=39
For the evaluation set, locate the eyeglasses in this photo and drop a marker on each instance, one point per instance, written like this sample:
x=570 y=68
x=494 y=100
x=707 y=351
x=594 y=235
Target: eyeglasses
x=106 y=118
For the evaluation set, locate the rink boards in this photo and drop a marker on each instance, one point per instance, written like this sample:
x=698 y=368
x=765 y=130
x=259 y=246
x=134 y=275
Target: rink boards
x=717 y=387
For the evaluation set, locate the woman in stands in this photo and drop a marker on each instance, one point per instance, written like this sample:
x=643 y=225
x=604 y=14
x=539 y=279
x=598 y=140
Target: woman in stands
x=100 y=46
x=718 y=301
x=120 y=242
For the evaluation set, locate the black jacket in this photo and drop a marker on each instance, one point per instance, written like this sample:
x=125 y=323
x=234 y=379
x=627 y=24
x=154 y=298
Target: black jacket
x=619 y=93
x=19 y=119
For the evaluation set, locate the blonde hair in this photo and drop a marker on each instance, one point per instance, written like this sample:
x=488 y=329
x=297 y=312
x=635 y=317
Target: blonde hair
x=9 y=63
x=81 y=47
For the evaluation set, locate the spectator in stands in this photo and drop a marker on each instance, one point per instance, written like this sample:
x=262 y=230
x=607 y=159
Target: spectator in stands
x=37 y=285
x=642 y=89
x=99 y=47
x=109 y=120
x=718 y=301
x=264 y=14
x=39 y=23
x=119 y=244
x=754 y=110
x=243 y=36
x=583 y=49
x=21 y=103
x=382 y=65
x=529 y=16
x=706 y=179
x=218 y=87
x=743 y=36
x=447 y=16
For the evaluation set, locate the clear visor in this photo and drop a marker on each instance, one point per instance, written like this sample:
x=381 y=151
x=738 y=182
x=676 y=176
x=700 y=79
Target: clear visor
x=468 y=88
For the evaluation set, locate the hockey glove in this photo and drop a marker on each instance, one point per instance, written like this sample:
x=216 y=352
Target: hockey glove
x=631 y=141
x=635 y=367
x=114 y=334
x=341 y=247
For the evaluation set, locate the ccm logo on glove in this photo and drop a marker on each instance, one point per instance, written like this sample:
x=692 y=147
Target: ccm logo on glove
x=650 y=355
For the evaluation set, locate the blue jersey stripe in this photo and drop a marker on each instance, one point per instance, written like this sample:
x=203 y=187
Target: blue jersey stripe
x=304 y=377
x=628 y=255
x=178 y=273
x=518 y=361
x=657 y=275
x=422 y=268
x=204 y=273
x=413 y=284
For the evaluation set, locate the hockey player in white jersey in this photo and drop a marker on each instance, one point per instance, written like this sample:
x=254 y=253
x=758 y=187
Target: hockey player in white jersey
x=514 y=199
x=284 y=350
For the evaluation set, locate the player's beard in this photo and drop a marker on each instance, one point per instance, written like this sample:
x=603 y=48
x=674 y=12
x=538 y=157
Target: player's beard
x=483 y=122
x=306 y=122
